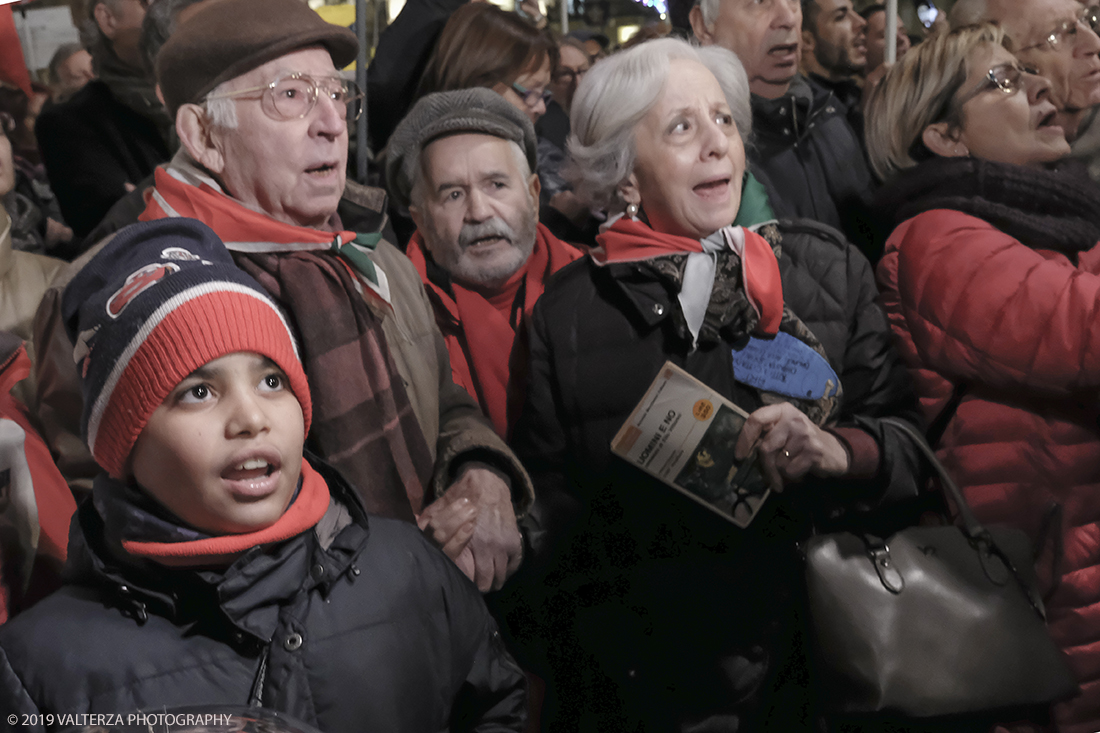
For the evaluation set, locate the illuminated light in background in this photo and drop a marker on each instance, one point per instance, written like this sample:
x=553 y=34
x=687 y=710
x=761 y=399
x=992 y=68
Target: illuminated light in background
x=626 y=31
x=661 y=6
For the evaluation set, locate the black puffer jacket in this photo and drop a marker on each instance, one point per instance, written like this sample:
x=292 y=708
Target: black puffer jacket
x=811 y=160
x=379 y=631
x=655 y=611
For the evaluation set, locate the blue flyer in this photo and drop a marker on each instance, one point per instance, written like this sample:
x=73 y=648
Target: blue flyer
x=784 y=365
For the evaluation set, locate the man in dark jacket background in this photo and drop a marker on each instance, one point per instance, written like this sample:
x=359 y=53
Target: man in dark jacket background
x=834 y=52
x=111 y=134
x=806 y=153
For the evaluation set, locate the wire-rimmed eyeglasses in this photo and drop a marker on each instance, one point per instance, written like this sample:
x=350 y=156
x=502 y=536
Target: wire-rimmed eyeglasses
x=293 y=96
x=1065 y=34
x=1008 y=78
x=531 y=97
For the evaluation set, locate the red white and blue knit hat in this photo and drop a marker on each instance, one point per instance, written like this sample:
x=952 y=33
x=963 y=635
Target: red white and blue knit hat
x=160 y=300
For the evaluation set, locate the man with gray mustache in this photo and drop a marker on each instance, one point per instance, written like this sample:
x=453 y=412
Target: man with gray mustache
x=463 y=162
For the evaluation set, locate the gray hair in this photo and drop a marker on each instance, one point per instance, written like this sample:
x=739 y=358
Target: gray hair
x=416 y=193
x=618 y=92
x=709 y=9
x=157 y=27
x=221 y=112
x=968 y=12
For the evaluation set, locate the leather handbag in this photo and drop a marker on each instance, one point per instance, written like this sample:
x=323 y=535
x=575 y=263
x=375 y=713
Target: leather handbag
x=932 y=621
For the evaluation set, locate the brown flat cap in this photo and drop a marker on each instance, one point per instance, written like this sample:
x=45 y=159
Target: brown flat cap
x=477 y=110
x=223 y=39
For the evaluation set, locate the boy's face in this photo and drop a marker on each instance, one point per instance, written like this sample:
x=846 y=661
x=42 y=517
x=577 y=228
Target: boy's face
x=224 y=450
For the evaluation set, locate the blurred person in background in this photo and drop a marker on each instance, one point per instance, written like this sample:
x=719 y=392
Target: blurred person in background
x=834 y=51
x=875 y=15
x=24 y=276
x=991 y=281
x=566 y=215
x=70 y=69
x=111 y=134
x=805 y=151
x=484 y=46
x=36 y=218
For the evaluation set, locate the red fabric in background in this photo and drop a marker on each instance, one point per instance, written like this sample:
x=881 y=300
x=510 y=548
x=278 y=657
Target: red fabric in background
x=52 y=496
x=13 y=68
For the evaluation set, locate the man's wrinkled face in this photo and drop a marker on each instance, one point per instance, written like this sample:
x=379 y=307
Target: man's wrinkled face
x=475 y=208
x=839 y=38
x=1074 y=68
x=292 y=170
x=765 y=35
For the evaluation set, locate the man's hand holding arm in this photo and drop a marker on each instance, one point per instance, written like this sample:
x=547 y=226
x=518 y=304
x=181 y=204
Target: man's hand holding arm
x=477 y=506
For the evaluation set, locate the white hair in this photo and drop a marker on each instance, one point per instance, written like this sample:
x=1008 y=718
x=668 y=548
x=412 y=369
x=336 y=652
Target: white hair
x=222 y=112
x=417 y=193
x=618 y=92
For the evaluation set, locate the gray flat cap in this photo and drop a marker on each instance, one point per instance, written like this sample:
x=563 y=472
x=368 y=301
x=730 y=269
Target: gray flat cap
x=478 y=110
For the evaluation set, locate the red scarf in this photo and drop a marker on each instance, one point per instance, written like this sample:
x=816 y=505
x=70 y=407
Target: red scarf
x=234 y=222
x=631 y=239
x=481 y=354
x=302 y=515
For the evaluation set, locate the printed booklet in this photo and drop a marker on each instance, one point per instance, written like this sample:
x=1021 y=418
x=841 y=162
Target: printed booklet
x=683 y=433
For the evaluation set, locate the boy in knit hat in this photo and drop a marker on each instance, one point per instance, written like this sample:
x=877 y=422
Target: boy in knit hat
x=215 y=565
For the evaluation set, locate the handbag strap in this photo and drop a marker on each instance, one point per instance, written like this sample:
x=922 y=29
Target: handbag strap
x=971 y=524
x=973 y=528
x=938 y=427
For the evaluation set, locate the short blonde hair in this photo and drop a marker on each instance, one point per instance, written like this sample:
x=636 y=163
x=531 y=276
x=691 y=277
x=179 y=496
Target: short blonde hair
x=918 y=92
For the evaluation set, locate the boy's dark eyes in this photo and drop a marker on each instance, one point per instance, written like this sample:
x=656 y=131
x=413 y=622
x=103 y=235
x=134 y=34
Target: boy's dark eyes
x=195 y=393
x=273 y=381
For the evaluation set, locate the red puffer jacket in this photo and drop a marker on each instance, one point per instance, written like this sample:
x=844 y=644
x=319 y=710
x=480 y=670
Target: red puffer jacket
x=1021 y=329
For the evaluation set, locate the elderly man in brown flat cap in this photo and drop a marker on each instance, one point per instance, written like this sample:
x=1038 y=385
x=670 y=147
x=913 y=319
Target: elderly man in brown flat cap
x=261 y=112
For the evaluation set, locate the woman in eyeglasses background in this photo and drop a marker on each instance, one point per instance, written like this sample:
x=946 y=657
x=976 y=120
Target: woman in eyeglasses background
x=484 y=46
x=991 y=281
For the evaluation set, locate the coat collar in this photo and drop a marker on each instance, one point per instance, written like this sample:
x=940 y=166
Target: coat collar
x=247 y=594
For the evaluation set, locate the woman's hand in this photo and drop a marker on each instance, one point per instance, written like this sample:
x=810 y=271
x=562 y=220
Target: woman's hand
x=790 y=446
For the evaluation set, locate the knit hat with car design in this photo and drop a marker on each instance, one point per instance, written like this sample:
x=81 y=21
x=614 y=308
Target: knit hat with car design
x=160 y=300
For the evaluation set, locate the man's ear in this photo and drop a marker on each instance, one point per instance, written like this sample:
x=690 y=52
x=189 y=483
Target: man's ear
x=105 y=19
x=628 y=191
x=197 y=137
x=534 y=187
x=699 y=27
x=807 y=43
x=944 y=140
x=417 y=216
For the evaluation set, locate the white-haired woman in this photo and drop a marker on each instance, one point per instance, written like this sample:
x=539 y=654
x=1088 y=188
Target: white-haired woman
x=992 y=284
x=660 y=615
